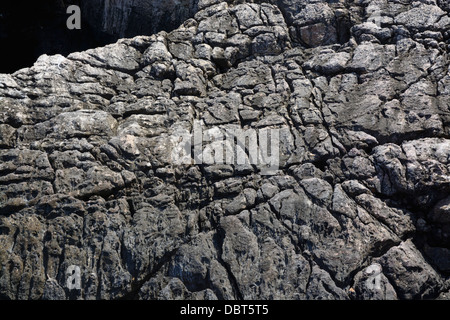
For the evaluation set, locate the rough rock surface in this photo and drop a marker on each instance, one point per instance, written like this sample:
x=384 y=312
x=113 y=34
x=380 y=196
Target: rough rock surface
x=359 y=208
x=125 y=18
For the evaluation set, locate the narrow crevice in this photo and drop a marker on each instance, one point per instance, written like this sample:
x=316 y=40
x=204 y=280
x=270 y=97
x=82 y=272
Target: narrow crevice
x=219 y=238
x=136 y=286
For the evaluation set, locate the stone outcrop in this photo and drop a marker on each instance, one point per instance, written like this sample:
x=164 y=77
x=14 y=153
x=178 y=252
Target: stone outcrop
x=123 y=18
x=358 y=207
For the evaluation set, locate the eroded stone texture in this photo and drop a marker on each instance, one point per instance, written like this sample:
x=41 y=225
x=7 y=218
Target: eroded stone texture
x=358 y=207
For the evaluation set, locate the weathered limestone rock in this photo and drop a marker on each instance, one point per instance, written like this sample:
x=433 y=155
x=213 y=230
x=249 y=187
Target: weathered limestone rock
x=101 y=182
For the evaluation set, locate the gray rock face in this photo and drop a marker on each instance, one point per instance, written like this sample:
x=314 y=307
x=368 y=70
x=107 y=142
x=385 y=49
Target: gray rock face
x=123 y=18
x=96 y=204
